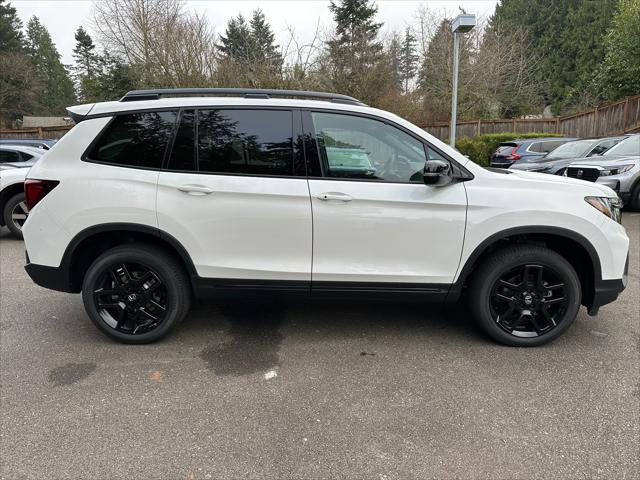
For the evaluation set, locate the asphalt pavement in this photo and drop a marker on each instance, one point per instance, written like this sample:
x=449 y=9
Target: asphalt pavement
x=313 y=390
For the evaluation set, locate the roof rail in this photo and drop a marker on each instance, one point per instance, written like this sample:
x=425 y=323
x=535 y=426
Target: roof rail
x=155 y=94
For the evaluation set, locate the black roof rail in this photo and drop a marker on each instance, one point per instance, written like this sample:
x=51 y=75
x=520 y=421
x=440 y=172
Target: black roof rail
x=155 y=94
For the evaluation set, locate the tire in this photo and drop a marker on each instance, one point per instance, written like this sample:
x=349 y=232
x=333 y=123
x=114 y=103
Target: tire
x=519 y=312
x=634 y=201
x=15 y=213
x=142 y=282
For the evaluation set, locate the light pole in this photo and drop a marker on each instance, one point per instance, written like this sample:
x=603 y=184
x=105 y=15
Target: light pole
x=460 y=25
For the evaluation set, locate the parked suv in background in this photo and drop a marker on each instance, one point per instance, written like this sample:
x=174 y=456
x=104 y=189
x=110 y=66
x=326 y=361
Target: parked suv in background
x=19 y=156
x=158 y=197
x=618 y=168
x=525 y=150
x=556 y=161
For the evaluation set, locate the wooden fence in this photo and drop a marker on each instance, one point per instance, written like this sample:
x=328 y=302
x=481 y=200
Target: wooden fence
x=610 y=119
x=40 y=132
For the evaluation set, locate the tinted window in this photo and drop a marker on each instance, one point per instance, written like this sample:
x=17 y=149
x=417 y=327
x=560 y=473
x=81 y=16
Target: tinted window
x=26 y=156
x=571 y=149
x=245 y=141
x=357 y=147
x=135 y=139
x=9 y=156
x=183 y=155
x=538 y=147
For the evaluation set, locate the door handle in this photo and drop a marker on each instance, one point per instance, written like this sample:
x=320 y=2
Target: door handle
x=195 y=189
x=343 y=197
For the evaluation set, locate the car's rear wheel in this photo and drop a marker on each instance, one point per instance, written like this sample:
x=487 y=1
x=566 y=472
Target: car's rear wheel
x=635 y=198
x=136 y=293
x=525 y=295
x=15 y=214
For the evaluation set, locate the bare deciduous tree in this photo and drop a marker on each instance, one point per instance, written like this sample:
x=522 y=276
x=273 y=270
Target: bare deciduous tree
x=172 y=47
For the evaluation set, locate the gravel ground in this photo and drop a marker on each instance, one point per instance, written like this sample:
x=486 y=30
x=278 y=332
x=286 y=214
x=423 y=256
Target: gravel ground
x=313 y=390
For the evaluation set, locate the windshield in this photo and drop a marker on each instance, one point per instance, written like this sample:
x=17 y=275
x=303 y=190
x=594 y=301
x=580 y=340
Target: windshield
x=629 y=146
x=570 y=150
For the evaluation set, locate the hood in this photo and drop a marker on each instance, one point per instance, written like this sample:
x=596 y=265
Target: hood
x=590 y=188
x=607 y=160
x=539 y=166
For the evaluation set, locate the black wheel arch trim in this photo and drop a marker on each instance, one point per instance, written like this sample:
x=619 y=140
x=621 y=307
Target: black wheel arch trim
x=60 y=278
x=456 y=288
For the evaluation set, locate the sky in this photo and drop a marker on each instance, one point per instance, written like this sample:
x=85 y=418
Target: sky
x=63 y=17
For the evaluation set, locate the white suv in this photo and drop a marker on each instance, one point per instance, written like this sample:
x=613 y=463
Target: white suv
x=162 y=196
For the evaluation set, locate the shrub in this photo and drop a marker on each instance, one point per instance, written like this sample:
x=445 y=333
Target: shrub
x=480 y=148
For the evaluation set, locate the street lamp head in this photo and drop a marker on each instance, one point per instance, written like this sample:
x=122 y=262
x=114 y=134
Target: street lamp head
x=463 y=23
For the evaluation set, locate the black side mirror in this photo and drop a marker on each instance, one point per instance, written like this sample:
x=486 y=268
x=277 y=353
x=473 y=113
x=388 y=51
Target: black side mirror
x=437 y=173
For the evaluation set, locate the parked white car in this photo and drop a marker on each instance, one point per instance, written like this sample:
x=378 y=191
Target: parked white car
x=19 y=155
x=13 y=206
x=160 y=196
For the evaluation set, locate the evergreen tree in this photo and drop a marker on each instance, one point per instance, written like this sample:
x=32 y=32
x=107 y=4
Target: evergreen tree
x=236 y=43
x=395 y=60
x=567 y=36
x=408 y=59
x=58 y=88
x=11 y=37
x=619 y=73
x=355 y=52
x=263 y=47
x=83 y=54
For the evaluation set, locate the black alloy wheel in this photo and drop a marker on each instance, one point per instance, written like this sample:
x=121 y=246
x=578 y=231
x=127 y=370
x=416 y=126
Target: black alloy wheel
x=528 y=301
x=525 y=295
x=136 y=293
x=131 y=298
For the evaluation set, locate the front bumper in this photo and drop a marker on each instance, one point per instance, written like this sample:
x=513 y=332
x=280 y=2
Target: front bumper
x=607 y=291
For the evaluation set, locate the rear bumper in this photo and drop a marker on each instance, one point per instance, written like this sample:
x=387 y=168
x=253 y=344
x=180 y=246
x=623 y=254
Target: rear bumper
x=53 y=278
x=607 y=291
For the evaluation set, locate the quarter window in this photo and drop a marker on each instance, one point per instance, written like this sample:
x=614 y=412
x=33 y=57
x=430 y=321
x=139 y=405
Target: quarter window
x=135 y=140
x=363 y=148
x=258 y=142
x=7 y=156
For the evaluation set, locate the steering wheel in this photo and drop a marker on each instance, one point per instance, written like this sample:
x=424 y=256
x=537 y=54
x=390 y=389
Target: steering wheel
x=397 y=167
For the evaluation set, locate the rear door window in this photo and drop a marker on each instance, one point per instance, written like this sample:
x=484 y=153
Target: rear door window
x=245 y=142
x=135 y=140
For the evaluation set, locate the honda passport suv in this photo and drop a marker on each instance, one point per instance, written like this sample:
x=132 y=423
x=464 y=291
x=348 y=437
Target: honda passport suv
x=167 y=195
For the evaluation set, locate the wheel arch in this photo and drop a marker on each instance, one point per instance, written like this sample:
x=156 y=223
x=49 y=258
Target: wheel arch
x=574 y=247
x=91 y=242
x=8 y=192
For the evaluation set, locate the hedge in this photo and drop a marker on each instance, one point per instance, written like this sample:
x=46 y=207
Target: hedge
x=480 y=148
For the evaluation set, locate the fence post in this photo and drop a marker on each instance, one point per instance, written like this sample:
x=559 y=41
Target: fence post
x=625 y=111
x=557 y=125
x=594 y=131
x=40 y=134
x=479 y=127
x=513 y=125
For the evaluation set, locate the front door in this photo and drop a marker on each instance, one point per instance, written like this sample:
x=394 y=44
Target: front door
x=375 y=223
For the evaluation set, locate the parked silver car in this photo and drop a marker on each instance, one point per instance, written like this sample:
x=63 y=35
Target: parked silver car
x=618 y=168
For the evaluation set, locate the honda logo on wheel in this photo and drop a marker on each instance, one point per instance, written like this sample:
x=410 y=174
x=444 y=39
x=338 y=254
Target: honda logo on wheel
x=580 y=172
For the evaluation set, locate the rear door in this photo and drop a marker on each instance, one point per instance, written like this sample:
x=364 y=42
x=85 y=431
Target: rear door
x=235 y=195
x=376 y=225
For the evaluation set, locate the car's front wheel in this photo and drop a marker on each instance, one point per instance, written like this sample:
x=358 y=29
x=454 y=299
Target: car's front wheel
x=525 y=295
x=136 y=293
x=15 y=214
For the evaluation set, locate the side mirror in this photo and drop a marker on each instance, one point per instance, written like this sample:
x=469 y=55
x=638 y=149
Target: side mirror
x=437 y=173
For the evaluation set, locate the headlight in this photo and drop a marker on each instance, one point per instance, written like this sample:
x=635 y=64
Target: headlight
x=611 y=207
x=617 y=170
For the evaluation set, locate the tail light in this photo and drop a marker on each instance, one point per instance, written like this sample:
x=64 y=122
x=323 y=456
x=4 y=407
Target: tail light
x=513 y=155
x=36 y=190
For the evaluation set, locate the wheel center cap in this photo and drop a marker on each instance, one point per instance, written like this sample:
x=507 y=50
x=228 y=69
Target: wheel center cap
x=528 y=299
x=132 y=297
